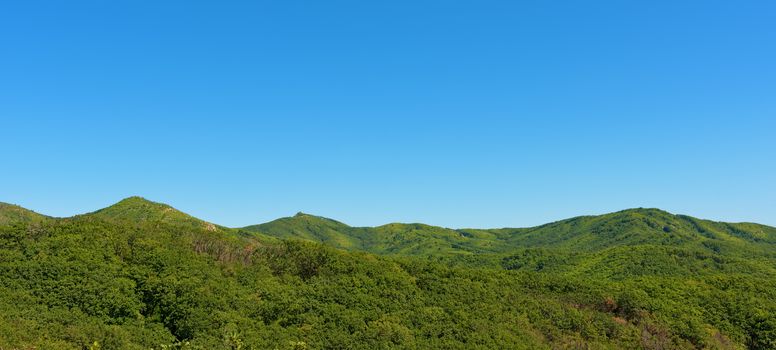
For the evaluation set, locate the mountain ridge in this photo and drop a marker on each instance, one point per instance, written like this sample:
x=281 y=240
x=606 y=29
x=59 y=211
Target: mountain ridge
x=140 y=210
x=140 y=200
x=628 y=227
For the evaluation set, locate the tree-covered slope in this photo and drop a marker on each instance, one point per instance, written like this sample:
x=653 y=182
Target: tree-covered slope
x=396 y=238
x=10 y=214
x=138 y=210
x=89 y=282
x=638 y=227
x=142 y=275
x=633 y=227
x=311 y=228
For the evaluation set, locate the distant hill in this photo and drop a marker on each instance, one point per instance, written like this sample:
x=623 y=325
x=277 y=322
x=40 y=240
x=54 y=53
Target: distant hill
x=311 y=228
x=630 y=227
x=138 y=210
x=634 y=227
x=406 y=239
x=10 y=214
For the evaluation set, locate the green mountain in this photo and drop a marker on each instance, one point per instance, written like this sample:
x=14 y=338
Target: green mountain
x=405 y=239
x=138 y=210
x=10 y=214
x=143 y=275
x=636 y=227
x=310 y=228
x=632 y=227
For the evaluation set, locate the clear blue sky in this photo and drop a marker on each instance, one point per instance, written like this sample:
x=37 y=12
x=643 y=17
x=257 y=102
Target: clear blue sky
x=454 y=113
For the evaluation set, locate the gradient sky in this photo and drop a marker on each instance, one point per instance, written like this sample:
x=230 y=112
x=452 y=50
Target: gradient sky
x=453 y=113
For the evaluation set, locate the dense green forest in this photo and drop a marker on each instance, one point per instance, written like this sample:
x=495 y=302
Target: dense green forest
x=142 y=275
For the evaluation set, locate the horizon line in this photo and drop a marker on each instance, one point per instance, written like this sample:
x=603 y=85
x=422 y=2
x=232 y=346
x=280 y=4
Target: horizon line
x=298 y=213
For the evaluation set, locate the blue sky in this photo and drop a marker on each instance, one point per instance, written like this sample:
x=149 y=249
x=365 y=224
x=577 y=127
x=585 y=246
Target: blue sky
x=454 y=113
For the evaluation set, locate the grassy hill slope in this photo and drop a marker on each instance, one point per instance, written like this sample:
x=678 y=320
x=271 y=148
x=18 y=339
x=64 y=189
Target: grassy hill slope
x=311 y=228
x=396 y=238
x=633 y=227
x=138 y=210
x=10 y=214
x=637 y=227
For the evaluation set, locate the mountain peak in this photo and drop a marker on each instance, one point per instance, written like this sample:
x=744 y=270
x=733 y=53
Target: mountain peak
x=645 y=211
x=301 y=216
x=134 y=198
x=141 y=210
x=137 y=200
x=134 y=207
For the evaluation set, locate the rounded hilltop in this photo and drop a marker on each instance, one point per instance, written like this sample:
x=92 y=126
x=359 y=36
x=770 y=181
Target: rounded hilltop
x=141 y=210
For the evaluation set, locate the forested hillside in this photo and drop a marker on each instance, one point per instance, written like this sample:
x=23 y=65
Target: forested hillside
x=142 y=275
x=585 y=233
x=10 y=214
